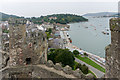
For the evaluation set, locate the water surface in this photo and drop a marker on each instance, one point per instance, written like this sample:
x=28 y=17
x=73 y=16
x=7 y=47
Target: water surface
x=91 y=39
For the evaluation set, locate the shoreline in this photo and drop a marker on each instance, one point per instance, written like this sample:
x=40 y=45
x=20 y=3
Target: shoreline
x=72 y=47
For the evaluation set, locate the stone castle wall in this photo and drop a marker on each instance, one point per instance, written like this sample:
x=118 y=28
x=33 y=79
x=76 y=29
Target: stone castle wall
x=32 y=45
x=47 y=70
x=27 y=44
x=113 y=51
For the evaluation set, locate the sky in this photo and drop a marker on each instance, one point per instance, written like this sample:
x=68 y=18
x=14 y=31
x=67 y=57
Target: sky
x=59 y=0
x=30 y=8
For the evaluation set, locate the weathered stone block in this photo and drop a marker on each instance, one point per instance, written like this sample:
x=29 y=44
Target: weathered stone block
x=50 y=63
x=58 y=66
x=42 y=60
x=78 y=73
x=67 y=69
x=89 y=75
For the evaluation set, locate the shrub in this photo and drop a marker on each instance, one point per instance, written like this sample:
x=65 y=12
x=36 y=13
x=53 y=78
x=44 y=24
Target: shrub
x=52 y=49
x=84 y=69
x=85 y=54
x=78 y=65
x=75 y=52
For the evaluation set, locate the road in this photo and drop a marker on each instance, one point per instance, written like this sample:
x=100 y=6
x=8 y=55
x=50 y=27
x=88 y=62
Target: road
x=97 y=62
x=98 y=73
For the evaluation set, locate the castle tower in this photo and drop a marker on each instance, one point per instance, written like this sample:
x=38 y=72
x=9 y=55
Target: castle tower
x=113 y=51
x=27 y=44
x=17 y=39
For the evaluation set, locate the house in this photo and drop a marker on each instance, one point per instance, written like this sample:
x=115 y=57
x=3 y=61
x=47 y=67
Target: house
x=48 y=26
x=54 y=18
x=40 y=27
x=57 y=34
x=56 y=43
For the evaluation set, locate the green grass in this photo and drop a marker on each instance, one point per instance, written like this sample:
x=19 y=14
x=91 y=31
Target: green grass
x=90 y=62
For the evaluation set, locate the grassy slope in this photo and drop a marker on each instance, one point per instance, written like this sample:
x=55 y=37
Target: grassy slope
x=90 y=62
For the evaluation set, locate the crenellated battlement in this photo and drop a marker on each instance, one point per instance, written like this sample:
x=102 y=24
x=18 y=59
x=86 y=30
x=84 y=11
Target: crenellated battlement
x=46 y=70
x=27 y=44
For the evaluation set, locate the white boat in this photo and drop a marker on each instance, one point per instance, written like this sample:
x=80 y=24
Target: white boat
x=105 y=32
x=107 y=29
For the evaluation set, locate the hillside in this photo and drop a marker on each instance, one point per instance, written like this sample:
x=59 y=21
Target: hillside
x=4 y=16
x=58 y=18
x=55 y=18
x=101 y=14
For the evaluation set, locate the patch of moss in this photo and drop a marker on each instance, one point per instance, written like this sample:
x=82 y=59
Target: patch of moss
x=113 y=26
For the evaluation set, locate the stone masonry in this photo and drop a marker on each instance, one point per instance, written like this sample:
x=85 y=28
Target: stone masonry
x=113 y=51
x=26 y=46
x=48 y=70
x=28 y=55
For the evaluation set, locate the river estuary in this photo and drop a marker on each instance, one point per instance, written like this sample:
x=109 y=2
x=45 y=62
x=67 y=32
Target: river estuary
x=89 y=35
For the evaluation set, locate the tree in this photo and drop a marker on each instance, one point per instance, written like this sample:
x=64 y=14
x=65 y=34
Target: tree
x=51 y=50
x=62 y=55
x=75 y=52
x=83 y=68
x=51 y=56
x=50 y=30
x=85 y=54
x=61 y=18
x=66 y=58
x=78 y=65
